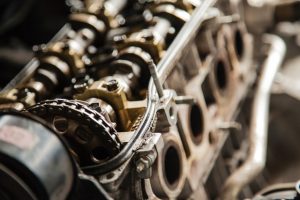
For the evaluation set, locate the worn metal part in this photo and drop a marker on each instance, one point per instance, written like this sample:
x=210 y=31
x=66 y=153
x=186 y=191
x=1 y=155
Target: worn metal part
x=151 y=98
x=79 y=123
x=61 y=59
x=256 y=159
x=30 y=153
x=150 y=111
x=169 y=170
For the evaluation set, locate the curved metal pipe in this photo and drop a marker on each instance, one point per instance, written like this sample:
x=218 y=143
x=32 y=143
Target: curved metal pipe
x=256 y=160
x=164 y=67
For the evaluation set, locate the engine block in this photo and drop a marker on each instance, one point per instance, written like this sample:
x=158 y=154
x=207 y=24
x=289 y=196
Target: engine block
x=145 y=100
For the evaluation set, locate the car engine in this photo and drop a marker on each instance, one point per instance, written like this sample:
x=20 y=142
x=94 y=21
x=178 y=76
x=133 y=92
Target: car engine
x=149 y=99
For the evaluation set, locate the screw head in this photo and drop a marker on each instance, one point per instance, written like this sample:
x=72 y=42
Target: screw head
x=112 y=85
x=140 y=167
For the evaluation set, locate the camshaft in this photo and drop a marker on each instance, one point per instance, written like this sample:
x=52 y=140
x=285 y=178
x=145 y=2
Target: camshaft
x=59 y=61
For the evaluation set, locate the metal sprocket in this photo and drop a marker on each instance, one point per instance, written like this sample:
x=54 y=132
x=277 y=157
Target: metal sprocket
x=91 y=137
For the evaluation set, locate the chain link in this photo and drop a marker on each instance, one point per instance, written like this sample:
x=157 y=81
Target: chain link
x=82 y=114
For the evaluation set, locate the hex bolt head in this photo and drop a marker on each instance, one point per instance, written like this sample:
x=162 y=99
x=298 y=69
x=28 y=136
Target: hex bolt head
x=140 y=167
x=112 y=85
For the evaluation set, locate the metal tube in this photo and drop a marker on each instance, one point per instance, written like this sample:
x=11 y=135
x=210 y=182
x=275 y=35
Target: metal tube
x=256 y=160
x=164 y=67
x=182 y=40
x=158 y=85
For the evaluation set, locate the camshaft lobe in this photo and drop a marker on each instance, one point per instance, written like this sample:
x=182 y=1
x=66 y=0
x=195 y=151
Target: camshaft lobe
x=61 y=60
x=88 y=125
x=125 y=126
x=130 y=70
